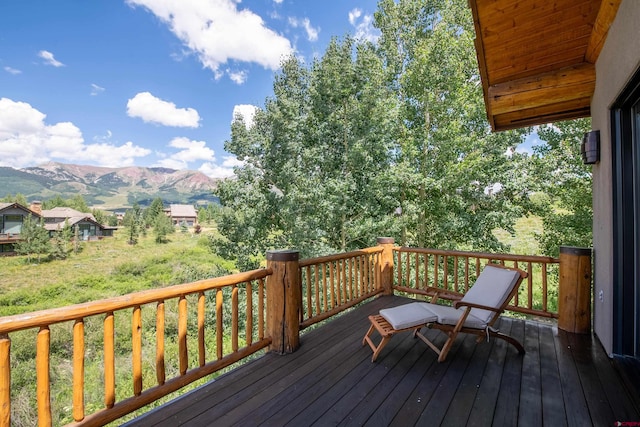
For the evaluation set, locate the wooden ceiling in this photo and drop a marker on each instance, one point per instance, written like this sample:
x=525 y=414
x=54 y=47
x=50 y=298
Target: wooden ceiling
x=537 y=57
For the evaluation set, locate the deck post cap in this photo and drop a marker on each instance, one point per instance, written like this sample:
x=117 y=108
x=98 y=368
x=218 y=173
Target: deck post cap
x=385 y=240
x=283 y=255
x=571 y=250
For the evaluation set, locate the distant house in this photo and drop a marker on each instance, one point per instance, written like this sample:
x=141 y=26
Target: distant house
x=182 y=214
x=11 y=218
x=87 y=226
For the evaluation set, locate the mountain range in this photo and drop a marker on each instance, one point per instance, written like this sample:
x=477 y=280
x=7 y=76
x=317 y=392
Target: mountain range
x=108 y=188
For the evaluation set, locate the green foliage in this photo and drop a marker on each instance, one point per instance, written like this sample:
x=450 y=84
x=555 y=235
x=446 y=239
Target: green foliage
x=446 y=157
x=209 y=213
x=104 y=218
x=34 y=239
x=557 y=168
x=370 y=142
x=134 y=223
x=61 y=242
x=112 y=220
x=77 y=202
x=154 y=210
x=162 y=227
x=18 y=198
x=313 y=160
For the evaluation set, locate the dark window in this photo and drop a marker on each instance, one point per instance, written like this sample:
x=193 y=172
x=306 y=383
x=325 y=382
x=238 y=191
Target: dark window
x=13 y=224
x=626 y=219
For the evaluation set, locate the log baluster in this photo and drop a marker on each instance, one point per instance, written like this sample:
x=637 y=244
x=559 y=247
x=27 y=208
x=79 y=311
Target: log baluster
x=43 y=390
x=160 y=362
x=5 y=380
x=136 y=354
x=78 y=370
x=182 y=335
x=234 y=319
x=109 y=360
x=202 y=359
x=249 y=325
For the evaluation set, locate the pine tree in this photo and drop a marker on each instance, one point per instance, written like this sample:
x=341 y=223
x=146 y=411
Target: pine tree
x=162 y=228
x=34 y=239
x=133 y=223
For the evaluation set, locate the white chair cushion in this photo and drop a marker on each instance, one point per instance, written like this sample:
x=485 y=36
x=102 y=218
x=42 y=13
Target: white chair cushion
x=449 y=316
x=408 y=315
x=491 y=289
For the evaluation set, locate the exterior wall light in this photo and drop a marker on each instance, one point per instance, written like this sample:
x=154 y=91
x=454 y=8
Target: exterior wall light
x=590 y=147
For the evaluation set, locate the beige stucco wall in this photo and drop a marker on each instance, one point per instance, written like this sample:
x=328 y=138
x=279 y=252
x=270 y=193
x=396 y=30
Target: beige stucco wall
x=619 y=59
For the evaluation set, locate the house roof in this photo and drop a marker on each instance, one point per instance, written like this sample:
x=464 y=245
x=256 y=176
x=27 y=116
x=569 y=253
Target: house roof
x=537 y=58
x=182 y=211
x=5 y=206
x=63 y=212
x=66 y=215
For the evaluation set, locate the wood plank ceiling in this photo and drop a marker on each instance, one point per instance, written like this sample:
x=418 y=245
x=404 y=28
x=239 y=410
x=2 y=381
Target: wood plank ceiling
x=537 y=57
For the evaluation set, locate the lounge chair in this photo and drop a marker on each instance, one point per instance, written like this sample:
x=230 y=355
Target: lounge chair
x=475 y=313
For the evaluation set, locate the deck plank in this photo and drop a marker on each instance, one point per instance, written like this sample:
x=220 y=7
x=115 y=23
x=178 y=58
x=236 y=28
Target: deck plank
x=387 y=410
x=562 y=380
x=462 y=402
x=572 y=392
x=415 y=404
x=530 y=410
x=438 y=405
x=483 y=408
x=553 y=412
x=599 y=408
x=508 y=402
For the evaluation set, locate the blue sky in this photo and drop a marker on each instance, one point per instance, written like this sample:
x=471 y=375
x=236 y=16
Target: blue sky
x=149 y=82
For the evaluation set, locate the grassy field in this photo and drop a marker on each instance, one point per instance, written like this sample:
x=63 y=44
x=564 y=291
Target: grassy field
x=112 y=267
x=524 y=241
x=105 y=269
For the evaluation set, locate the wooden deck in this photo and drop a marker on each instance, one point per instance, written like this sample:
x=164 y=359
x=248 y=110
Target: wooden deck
x=562 y=380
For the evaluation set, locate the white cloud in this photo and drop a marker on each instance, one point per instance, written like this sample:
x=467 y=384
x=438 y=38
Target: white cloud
x=364 y=27
x=354 y=15
x=155 y=110
x=12 y=70
x=217 y=32
x=197 y=151
x=103 y=138
x=277 y=1
x=246 y=111
x=312 y=33
x=27 y=140
x=189 y=151
x=49 y=59
x=96 y=90
x=238 y=77
x=110 y=155
x=221 y=171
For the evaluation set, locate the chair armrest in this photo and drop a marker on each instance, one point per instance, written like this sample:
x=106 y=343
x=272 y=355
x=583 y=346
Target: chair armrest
x=459 y=304
x=439 y=293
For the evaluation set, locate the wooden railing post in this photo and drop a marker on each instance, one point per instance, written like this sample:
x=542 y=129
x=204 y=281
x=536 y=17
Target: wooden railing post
x=385 y=266
x=5 y=380
x=574 y=294
x=284 y=301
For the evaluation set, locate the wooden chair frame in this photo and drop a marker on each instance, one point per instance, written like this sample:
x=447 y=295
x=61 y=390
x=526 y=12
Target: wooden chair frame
x=386 y=331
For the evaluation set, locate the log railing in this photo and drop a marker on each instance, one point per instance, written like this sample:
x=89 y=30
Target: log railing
x=226 y=319
x=450 y=273
x=222 y=320
x=334 y=283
